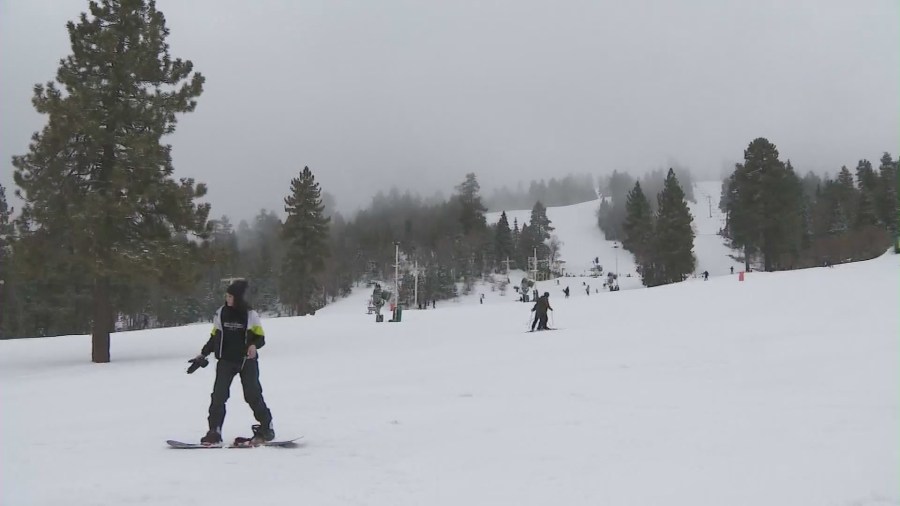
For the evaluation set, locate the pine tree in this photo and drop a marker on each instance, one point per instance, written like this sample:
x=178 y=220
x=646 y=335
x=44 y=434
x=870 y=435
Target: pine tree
x=97 y=178
x=526 y=247
x=672 y=256
x=503 y=239
x=306 y=234
x=6 y=230
x=6 y=238
x=472 y=213
x=263 y=256
x=765 y=207
x=867 y=183
x=515 y=234
x=638 y=228
x=886 y=202
x=540 y=223
x=846 y=194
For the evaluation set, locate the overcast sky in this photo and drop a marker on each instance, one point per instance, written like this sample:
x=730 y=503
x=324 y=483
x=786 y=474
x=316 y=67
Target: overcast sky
x=414 y=94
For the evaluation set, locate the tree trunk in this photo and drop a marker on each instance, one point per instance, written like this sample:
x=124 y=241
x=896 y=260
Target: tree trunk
x=102 y=320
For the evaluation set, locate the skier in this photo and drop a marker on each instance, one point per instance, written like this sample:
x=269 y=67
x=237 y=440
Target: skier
x=566 y=291
x=705 y=275
x=540 y=312
x=236 y=336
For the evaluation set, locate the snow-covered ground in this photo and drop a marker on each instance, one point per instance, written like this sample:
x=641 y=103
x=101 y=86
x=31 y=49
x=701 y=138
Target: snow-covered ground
x=583 y=241
x=783 y=389
x=709 y=247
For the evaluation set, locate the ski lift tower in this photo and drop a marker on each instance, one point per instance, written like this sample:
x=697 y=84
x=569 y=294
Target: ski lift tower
x=616 y=247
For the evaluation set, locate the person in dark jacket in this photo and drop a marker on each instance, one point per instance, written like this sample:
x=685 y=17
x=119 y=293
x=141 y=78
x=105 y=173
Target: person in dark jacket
x=236 y=336
x=540 y=312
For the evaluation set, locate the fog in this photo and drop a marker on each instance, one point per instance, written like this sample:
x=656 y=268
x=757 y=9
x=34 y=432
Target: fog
x=414 y=95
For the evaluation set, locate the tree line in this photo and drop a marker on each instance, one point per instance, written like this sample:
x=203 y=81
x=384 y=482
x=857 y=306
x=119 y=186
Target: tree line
x=779 y=220
x=571 y=189
x=107 y=238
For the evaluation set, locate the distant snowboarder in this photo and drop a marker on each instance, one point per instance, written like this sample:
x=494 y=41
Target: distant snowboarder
x=378 y=297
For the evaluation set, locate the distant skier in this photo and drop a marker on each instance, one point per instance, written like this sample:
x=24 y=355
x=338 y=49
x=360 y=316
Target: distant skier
x=732 y=269
x=237 y=334
x=566 y=291
x=540 y=312
x=706 y=275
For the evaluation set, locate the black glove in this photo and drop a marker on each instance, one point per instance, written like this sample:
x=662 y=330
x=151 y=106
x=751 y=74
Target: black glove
x=196 y=363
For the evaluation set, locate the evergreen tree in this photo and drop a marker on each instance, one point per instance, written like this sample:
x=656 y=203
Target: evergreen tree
x=503 y=238
x=6 y=232
x=846 y=194
x=472 y=212
x=262 y=251
x=672 y=256
x=306 y=234
x=886 y=202
x=6 y=237
x=97 y=177
x=611 y=215
x=540 y=223
x=765 y=207
x=867 y=183
x=515 y=234
x=638 y=228
x=527 y=245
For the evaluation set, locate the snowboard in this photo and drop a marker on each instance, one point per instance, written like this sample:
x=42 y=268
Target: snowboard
x=287 y=443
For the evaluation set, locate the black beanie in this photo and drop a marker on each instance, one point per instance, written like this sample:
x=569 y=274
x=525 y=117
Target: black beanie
x=238 y=288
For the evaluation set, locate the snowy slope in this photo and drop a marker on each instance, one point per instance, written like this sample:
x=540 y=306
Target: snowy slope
x=582 y=240
x=709 y=247
x=782 y=389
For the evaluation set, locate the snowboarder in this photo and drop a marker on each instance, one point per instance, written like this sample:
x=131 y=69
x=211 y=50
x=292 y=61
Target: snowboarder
x=377 y=299
x=236 y=336
x=566 y=291
x=540 y=312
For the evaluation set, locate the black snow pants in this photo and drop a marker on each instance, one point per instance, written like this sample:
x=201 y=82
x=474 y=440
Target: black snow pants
x=225 y=373
x=540 y=320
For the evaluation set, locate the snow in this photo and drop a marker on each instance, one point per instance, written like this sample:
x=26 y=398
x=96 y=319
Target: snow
x=709 y=247
x=781 y=389
x=582 y=239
